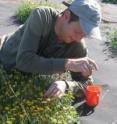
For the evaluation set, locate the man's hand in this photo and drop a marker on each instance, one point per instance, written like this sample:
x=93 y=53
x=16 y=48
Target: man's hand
x=84 y=65
x=57 y=89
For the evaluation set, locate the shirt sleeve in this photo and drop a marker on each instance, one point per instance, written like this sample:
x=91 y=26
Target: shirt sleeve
x=80 y=52
x=78 y=87
x=79 y=82
x=27 y=59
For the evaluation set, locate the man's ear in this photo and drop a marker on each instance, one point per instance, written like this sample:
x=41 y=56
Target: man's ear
x=67 y=15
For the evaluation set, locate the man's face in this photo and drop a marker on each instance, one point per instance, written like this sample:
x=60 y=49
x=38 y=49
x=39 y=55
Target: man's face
x=70 y=31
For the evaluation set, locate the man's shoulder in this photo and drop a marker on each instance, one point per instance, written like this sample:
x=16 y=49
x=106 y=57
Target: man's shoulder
x=46 y=15
x=44 y=18
x=46 y=10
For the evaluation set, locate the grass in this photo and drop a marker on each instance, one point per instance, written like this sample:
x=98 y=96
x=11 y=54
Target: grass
x=110 y=1
x=22 y=102
x=114 y=39
x=26 y=6
x=24 y=10
x=112 y=36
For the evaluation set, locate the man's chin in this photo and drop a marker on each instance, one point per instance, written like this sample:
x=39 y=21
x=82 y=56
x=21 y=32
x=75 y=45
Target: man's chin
x=69 y=41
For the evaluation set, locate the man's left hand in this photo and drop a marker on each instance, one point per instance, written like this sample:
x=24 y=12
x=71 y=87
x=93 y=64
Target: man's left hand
x=57 y=89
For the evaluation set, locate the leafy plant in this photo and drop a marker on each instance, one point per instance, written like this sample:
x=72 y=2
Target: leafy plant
x=113 y=39
x=22 y=102
x=110 y=1
x=26 y=7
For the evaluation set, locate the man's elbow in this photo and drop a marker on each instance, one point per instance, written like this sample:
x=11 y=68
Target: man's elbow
x=21 y=63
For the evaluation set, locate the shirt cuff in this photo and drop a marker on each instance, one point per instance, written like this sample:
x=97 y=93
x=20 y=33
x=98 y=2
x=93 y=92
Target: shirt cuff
x=58 y=65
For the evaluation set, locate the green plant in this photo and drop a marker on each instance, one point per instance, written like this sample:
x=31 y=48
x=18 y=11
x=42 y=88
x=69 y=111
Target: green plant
x=26 y=7
x=110 y=1
x=22 y=102
x=113 y=39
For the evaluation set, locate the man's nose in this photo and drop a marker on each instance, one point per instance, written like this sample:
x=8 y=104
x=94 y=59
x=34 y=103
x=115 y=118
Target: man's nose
x=79 y=38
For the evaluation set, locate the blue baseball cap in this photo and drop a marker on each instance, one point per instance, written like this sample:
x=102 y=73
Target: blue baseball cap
x=89 y=13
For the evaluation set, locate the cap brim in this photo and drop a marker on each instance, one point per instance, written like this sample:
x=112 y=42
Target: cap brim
x=95 y=33
x=65 y=3
x=90 y=30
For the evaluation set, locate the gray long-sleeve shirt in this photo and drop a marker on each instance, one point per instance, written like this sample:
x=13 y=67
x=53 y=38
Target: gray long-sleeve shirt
x=33 y=47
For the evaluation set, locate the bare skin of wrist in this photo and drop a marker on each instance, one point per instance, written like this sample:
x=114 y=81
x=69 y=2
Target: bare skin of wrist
x=84 y=65
x=67 y=65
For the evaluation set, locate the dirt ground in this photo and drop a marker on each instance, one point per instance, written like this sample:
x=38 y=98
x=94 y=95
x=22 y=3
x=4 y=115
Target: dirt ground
x=100 y=51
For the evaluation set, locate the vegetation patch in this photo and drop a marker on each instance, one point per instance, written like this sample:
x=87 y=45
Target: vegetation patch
x=26 y=7
x=22 y=102
x=24 y=10
x=110 y=1
x=113 y=39
x=112 y=36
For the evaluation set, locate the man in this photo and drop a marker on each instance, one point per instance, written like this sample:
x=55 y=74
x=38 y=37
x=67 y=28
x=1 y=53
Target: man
x=51 y=42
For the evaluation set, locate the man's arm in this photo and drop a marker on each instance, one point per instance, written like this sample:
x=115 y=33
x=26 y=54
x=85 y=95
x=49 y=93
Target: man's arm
x=78 y=80
x=80 y=52
x=27 y=59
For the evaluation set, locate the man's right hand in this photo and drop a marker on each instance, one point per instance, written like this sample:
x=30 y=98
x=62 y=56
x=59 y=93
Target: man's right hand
x=84 y=65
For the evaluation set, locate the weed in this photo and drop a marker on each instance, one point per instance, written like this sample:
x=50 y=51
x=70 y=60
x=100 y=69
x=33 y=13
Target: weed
x=26 y=7
x=110 y=1
x=22 y=102
x=113 y=39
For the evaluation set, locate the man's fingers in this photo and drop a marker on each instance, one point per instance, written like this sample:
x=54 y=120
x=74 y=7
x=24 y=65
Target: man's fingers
x=83 y=70
x=86 y=70
x=58 y=94
x=93 y=64
x=49 y=91
x=56 y=89
x=53 y=92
